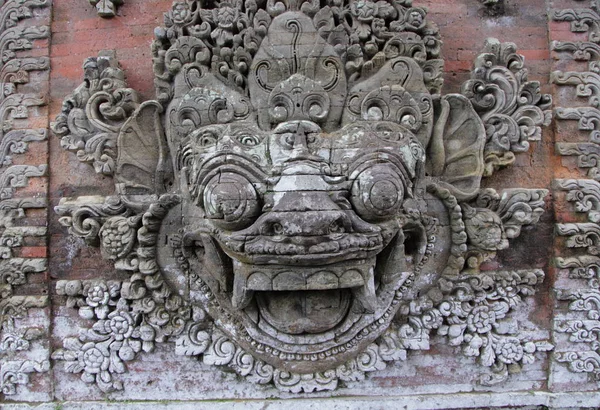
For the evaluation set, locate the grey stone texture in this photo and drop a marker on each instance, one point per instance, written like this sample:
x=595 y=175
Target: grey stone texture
x=303 y=210
x=301 y=216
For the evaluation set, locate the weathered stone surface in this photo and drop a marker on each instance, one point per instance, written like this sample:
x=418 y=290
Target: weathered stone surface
x=525 y=400
x=297 y=205
x=24 y=323
x=578 y=296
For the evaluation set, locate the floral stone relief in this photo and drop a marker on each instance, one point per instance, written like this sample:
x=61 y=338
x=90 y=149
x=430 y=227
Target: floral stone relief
x=300 y=203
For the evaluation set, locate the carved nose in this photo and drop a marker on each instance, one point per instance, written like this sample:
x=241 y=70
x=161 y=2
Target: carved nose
x=297 y=136
x=300 y=143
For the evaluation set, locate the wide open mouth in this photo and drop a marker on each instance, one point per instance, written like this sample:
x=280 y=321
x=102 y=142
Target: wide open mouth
x=299 y=310
x=301 y=299
x=296 y=256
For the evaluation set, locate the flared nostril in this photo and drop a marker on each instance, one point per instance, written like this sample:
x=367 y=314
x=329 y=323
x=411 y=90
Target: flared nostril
x=318 y=225
x=277 y=228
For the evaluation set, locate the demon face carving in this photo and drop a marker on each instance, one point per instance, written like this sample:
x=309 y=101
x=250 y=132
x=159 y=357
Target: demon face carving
x=302 y=206
x=300 y=186
x=298 y=218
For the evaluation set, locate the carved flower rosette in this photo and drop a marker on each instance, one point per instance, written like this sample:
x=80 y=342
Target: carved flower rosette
x=300 y=203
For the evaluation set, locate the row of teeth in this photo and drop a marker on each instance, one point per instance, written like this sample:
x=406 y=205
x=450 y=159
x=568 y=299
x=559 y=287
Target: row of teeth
x=273 y=248
x=346 y=243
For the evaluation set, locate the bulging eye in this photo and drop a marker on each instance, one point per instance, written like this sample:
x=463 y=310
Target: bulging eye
x=248 y=140
x=377 y=192
x=231 y=201
x=205 y=137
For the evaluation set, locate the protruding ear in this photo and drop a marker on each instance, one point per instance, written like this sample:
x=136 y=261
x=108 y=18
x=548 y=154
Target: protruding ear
x=142 y=152
x=455 y=151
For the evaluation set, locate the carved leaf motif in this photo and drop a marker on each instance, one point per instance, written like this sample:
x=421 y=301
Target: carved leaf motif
x=518 y=207
x=141 y=146
x=585 y=194
x=456 y=148
x=513 y=109
x=487 y=356
x=93 y=115
x=296 y=383
x=582 y=20
x=221 y=351
x=587 y=84
x=86 y=215
x=583 y=235
x=414 y=336
x=186 y=50
x=193 y=342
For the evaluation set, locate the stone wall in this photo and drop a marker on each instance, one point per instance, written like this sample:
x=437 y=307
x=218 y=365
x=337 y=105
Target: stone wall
x=496 y=306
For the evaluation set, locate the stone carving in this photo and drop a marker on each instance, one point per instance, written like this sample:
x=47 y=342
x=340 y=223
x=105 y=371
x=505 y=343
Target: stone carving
x=106 y=8
x=16 y=339
x=583 y=20
x=581 y=50
x=20 y=353
x=93 y=115
x=115 y=338
x=512 y=108
x=587 y=155
x=297 y=193
x=471 y=312
x=581 y=322
x=587 y=86
x=583 y=328
x=585 y=301
x=588 y=119
x=15 y=373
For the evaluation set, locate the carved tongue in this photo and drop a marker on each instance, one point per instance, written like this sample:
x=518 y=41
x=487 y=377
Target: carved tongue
x=303 y=312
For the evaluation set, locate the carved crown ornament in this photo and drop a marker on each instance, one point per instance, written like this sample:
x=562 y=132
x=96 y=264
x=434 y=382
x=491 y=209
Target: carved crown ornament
x=300 y=203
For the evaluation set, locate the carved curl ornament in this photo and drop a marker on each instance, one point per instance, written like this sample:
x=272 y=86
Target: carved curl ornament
x=579 y=317
x=23 y=350
x=300 y=204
